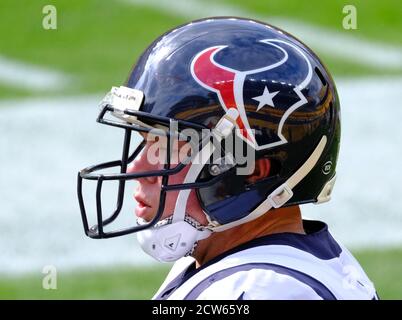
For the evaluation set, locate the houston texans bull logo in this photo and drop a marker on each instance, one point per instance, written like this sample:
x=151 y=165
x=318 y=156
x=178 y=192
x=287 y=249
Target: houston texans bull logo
x=228 y=84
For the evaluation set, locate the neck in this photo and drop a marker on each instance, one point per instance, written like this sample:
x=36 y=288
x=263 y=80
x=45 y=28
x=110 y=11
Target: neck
x=274 y=221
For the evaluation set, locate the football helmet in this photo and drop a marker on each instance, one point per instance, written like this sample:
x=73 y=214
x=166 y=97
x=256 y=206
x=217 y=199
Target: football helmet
x=238 y=78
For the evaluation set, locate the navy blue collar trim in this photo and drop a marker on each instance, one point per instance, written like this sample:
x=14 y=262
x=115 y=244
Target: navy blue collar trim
x=317 y=241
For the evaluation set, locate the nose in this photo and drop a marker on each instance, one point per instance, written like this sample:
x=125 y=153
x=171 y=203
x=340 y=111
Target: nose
x=142 y=164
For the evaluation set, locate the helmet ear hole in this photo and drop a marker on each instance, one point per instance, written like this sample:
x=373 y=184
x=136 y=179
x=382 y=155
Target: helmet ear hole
x=265 y=168
x=262 y=170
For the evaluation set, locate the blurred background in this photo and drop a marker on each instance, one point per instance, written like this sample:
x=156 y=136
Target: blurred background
x=51 y=82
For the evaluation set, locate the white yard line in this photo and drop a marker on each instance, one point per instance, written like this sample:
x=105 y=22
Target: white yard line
x=340 y=44
x=23 y=75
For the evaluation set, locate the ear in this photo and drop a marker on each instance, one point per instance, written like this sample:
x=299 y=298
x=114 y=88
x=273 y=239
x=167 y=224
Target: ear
x=262 y=170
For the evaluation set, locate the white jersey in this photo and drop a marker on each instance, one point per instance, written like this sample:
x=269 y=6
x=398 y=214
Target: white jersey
x=277 y=266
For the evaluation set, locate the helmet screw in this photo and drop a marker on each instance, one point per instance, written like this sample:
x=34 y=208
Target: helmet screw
x=214 y=170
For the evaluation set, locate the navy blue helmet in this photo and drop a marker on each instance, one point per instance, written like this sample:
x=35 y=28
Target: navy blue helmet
x=275 y=90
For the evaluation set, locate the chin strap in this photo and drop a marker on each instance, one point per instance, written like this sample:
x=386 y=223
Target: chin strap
x=280 y=195
x=177 y=236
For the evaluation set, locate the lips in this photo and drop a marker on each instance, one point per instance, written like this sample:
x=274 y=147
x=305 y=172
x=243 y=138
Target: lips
x=143 y=209
x=141 y=201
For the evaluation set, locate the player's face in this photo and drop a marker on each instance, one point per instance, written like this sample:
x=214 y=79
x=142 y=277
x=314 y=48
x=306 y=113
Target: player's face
x=147 y=193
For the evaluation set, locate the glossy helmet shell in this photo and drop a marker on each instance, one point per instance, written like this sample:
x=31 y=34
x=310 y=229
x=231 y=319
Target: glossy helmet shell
x=305 y=105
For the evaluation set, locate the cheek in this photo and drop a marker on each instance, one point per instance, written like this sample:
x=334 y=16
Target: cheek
x=171 y=196
x=170 y=203
x=193 y=207
x=155 y=181
x=179 y=177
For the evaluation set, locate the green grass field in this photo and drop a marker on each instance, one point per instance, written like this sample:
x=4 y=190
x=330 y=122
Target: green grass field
x=383 y=268
x=97 y=42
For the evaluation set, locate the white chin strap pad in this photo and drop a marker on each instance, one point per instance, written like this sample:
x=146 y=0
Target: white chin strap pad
x=170 y=242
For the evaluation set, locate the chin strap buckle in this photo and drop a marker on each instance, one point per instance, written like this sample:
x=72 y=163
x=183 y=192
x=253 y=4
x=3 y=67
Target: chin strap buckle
x=280 y=196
